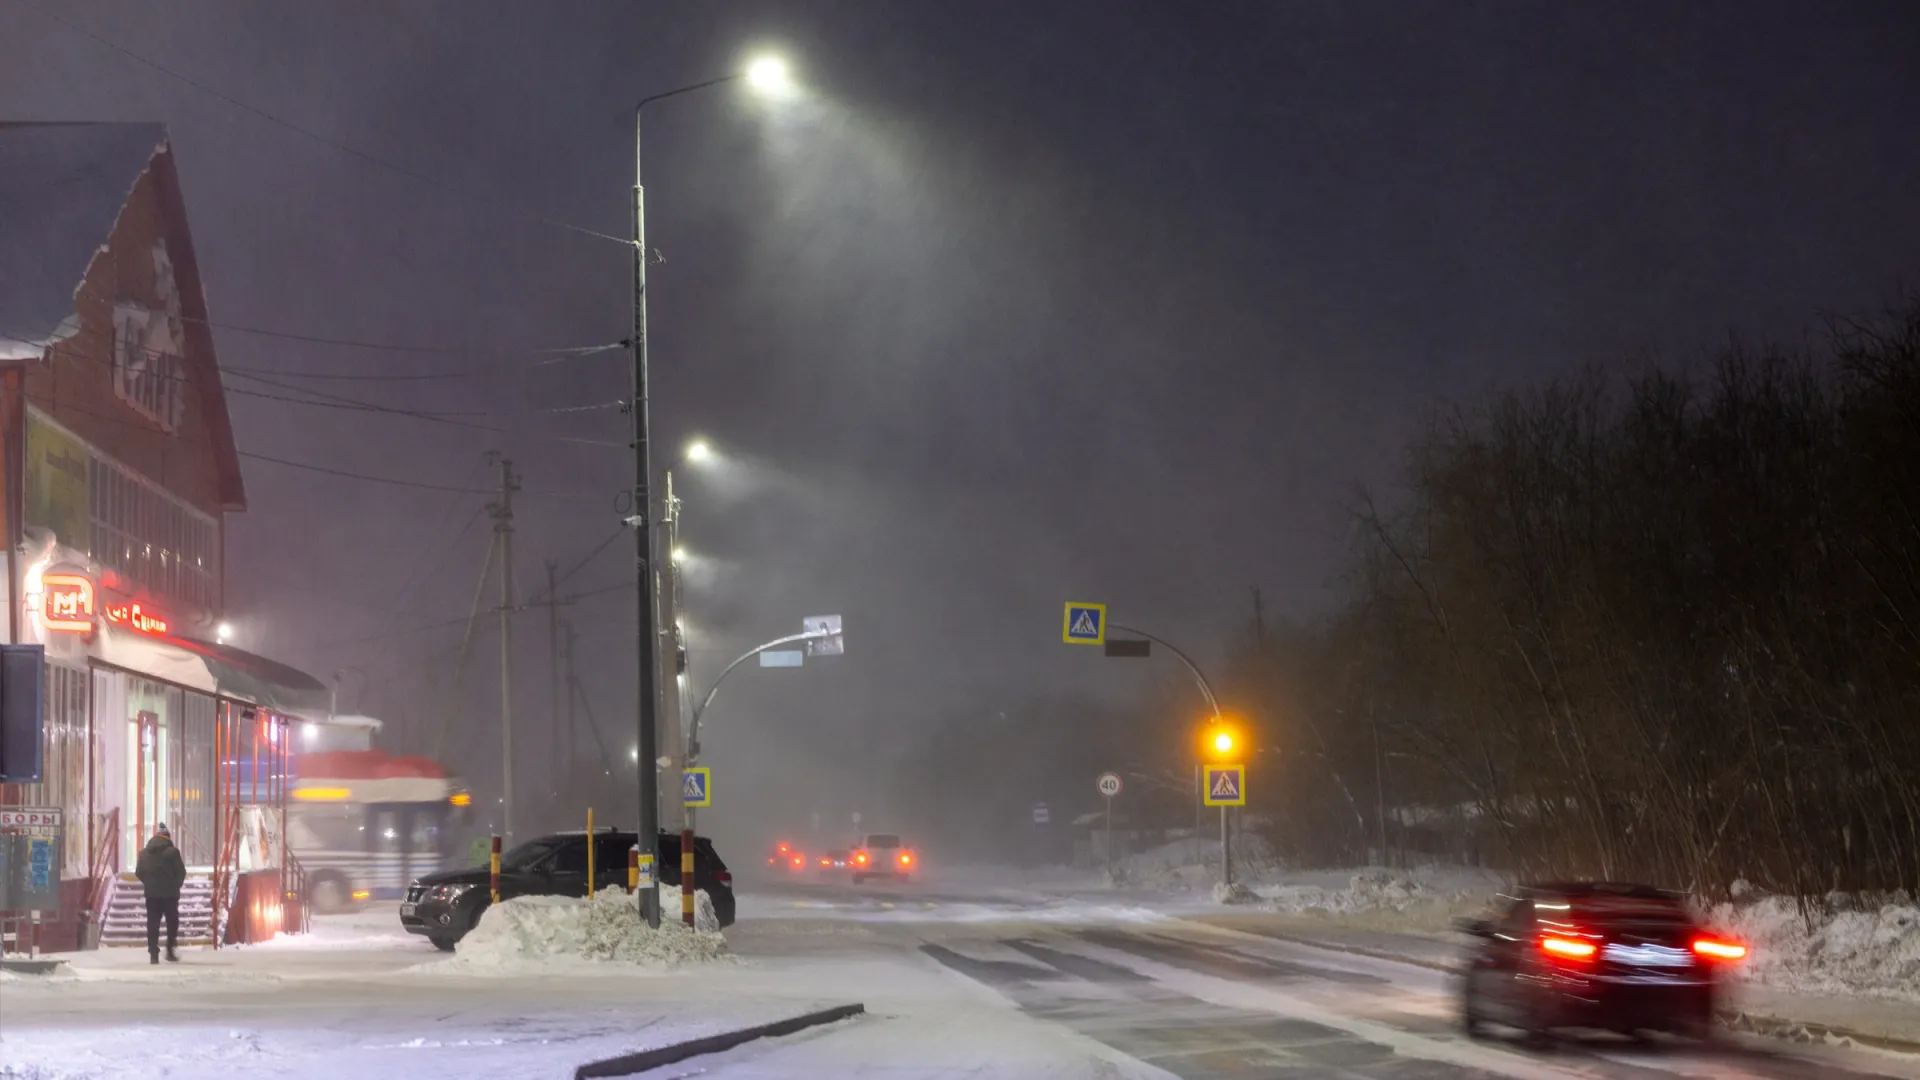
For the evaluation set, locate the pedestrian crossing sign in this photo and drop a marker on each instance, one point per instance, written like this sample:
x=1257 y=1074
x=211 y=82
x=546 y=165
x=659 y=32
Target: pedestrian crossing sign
x=1226 y=785
x=1086 y=624
x=696 y=787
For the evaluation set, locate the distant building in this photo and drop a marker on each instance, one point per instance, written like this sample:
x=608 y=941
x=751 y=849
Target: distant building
x=121 y=467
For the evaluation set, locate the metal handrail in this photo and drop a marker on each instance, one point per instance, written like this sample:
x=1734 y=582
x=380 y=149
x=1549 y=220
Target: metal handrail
x=223 y=874
x=99 y=872
x=297 y=892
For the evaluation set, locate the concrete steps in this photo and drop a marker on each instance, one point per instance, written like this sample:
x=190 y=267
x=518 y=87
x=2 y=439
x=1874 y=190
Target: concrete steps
x=125 y=924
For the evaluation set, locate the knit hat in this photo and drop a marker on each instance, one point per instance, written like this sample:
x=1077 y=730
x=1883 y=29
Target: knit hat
x=161 y=830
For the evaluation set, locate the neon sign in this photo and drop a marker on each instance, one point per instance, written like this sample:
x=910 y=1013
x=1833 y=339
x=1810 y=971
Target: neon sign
x=66 y=603
x=133 y=617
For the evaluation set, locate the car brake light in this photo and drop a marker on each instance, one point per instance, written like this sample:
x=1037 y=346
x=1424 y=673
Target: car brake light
x=906 y=859
x=861 y=858
x=724 y=877
x=797 y=860
x=826 y=862
x=1568 y=947
x=1719 y=950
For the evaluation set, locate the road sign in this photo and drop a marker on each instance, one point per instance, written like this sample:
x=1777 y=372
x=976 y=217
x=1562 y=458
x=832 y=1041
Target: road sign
x=1040 y=814
x=696 y=786
x=1086 y=624
x=1110 y=784
x=830 y=642
x=1129 y=647
x=31 y=839
x=783 y=658
x=1226 y=785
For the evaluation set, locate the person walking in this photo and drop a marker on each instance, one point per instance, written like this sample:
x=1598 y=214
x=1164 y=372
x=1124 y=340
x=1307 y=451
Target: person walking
x=162 y=872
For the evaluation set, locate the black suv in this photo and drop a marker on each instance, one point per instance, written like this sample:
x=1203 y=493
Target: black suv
x=1594 y=955
x=444 y=906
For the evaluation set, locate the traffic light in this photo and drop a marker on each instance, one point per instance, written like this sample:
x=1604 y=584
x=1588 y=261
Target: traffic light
x=1220 y=741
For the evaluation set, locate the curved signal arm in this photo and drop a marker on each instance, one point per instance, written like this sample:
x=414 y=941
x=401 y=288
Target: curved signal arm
x=693 y=726
x=1206 y=690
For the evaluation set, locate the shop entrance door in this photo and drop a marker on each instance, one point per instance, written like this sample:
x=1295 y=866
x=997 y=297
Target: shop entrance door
x=146 y=781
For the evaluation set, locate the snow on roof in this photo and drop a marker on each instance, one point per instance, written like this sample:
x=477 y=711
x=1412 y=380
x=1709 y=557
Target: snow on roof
x=62 y=187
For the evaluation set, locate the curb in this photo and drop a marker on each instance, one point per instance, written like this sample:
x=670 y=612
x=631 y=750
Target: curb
x=23 y=966
x=1773 y=1027
x=629 y=1064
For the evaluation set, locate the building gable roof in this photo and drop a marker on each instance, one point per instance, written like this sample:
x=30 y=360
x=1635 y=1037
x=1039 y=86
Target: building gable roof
x=62 y=188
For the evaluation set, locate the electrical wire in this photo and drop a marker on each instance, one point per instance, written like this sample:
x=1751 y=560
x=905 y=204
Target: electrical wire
x=324 y=141
x=395 y=481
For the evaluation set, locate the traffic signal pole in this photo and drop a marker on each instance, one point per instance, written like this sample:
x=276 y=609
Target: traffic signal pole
x=1200 y=772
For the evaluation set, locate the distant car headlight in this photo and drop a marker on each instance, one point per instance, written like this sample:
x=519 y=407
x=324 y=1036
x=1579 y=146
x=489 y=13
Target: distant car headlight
x=448 y=893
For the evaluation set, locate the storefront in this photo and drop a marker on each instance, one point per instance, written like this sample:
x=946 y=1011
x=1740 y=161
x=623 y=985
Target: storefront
x=144 y=726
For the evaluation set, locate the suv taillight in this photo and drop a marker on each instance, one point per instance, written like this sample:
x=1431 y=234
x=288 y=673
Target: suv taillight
x=1567 y=948
x=1718 y=949
x=724 y=877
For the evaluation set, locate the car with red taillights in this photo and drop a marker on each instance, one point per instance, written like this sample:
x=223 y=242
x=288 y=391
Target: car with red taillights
x=1604 y=955
x=883 y=855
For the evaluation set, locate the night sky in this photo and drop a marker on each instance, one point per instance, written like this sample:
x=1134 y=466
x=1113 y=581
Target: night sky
x=1016 y=302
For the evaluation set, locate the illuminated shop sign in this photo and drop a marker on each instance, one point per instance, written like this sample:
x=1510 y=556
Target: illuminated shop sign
x=135 y=617
x=67 y=604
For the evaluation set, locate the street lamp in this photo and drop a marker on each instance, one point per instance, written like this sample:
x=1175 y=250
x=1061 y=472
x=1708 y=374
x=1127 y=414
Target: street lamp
x=698 y=452
x=767 y=77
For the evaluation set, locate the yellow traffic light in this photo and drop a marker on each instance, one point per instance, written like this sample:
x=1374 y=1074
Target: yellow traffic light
x=1221 y=741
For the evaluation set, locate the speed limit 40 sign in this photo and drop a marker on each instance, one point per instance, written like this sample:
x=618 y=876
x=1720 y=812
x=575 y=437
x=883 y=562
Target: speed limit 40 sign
x=1110 y=784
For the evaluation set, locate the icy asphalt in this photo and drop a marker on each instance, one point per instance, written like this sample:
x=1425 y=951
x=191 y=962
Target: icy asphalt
x=961 y=979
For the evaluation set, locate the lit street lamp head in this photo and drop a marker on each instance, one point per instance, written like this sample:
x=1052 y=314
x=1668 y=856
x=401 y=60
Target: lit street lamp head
x=679 y=556
x=769 y=76
x=699 y=452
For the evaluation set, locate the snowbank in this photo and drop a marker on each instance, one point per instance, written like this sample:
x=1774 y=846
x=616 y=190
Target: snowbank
x=1424 y=901
x=1876 y=953
x=532 y=933
x=1193 y=862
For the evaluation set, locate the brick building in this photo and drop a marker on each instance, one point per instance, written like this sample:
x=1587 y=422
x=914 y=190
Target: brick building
x=121 y=468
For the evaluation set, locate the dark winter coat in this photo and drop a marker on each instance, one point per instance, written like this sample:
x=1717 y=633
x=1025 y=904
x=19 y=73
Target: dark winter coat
x=160 y=869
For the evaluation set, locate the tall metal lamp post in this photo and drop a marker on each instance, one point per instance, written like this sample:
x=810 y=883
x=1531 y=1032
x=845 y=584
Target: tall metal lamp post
x=768 y=76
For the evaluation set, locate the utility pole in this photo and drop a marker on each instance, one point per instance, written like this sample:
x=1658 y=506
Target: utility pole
x=567 y=733
x=1259 y=623
x=553 y=671
x=648 y=600
x=503 y=531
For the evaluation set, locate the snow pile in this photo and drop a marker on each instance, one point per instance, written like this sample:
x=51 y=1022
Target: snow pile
x=547 y=931
x=1236 y=893
x=1873 y=952
x=1195 y=860
x=1423 y=901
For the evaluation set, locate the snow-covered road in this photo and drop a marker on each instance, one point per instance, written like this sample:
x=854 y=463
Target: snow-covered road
x=958 y=980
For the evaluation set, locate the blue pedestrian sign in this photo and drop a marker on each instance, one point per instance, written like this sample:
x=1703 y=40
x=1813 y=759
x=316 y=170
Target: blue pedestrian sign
x=1086 y=624
x=696 y=787
x=1226 y=785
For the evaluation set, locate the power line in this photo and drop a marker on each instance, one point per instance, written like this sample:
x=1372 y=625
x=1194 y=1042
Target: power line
x=338 y=402
x=581 y=565
x=395 y=481
x=422 y=485
x=324 y=141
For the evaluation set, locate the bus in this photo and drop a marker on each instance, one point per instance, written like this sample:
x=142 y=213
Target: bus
x=364 y=823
